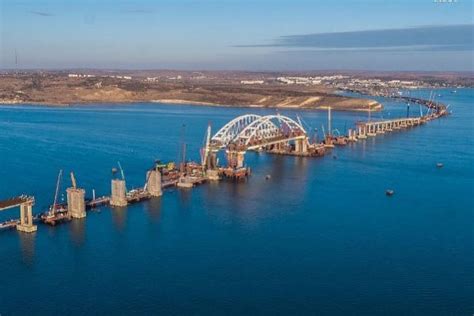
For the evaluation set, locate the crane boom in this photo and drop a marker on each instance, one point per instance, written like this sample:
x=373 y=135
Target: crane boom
x=73 y=180
x=121 y=170
x=207 y=148
x=53 y=209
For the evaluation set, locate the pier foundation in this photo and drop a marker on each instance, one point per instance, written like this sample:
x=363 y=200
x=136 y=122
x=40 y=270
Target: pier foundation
x=119 y=194
x=154 y=182
x=213 y=174
x=26 y=218
x=76 y=205
x=301 y=145
x=235 y=158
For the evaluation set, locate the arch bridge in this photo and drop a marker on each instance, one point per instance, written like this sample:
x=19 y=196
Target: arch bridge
x=251 y=132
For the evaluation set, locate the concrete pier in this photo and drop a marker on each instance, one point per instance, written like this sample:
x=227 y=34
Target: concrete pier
x=235 y=158
x=76 y=205
x=301 y=145
x=154 y=183
x=213 y=174
x=26 y=218
x=119 y=194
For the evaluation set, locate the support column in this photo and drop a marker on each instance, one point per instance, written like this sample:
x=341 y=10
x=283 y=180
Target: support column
x=119 y=195
x=362 y=132
x=301 y=146
x=153 y=184
x=26 y=218
x=297 y=146
x=304 y=146
x=235 y=158
x=371 y=131
x=240 y=159
x=76 y=205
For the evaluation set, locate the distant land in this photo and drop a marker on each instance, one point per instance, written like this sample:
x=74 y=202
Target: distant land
x=302 y=90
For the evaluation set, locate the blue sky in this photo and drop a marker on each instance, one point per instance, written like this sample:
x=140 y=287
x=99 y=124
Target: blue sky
x=242 y=35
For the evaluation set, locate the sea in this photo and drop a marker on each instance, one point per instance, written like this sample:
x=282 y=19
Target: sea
x=318 y=237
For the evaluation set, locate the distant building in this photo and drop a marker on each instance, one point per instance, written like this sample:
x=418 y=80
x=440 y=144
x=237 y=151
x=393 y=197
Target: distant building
x=252 y=81
x=80 y=76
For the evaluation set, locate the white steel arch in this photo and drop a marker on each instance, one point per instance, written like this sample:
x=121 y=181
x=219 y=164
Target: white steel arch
x=229 y=131
x=247 y=130
x=269 y=127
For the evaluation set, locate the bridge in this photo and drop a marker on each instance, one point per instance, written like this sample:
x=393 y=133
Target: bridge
x=373 y=128
x=25 y=223
x=282 y=135
x=251 y=131
x=255 y=132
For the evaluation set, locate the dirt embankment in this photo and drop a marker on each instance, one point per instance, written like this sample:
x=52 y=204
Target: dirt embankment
x=61 y=90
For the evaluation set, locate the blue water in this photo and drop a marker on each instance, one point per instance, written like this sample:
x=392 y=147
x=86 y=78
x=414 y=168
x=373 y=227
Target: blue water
x=320 y=237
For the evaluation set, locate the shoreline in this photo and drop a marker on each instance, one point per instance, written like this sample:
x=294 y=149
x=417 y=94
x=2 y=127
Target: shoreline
x=377 y=106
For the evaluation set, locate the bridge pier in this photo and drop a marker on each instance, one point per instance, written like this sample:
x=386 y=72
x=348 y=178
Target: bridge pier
x=26 y=218
x=119 y=195
x=380 y=128
x=235 y=159
x=76 y=205
x=371 y=131
x=301 y=145
x=352 y=137
x=153 y=183
x=361 y=131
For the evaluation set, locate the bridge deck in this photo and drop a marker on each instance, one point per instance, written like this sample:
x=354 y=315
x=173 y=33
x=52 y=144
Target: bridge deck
x=14 y=202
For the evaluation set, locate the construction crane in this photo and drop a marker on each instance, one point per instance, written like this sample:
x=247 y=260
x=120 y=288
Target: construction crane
x=122 y=174
x=55 y=202
x=182 y=157
x=121 y=170
x=73 y=181
x=207 y=148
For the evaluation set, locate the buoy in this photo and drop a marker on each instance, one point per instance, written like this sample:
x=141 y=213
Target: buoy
x=389 y=192
x=439 y=165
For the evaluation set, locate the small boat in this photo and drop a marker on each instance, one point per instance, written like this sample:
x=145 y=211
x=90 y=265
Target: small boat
x=389 y=192
x=439 y=165
x=268 y=177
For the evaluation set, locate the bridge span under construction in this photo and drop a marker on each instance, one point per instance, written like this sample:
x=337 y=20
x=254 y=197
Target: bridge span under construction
x=274 y=134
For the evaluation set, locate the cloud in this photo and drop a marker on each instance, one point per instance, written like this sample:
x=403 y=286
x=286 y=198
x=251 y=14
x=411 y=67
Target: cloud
x=40 y=13
x=421 y=38
x=415 y=48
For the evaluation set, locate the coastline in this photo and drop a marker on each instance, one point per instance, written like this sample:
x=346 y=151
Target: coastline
x=376 y=106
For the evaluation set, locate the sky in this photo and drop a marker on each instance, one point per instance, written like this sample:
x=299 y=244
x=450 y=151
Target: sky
x=256 y=35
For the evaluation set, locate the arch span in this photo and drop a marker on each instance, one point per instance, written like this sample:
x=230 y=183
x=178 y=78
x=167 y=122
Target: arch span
x=230 y=130
x=249 y=131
